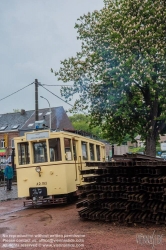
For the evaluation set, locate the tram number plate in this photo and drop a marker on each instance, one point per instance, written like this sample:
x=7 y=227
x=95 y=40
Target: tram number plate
x=39 y=191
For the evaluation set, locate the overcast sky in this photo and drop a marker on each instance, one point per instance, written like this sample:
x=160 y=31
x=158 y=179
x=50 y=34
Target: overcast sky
x=35 y=36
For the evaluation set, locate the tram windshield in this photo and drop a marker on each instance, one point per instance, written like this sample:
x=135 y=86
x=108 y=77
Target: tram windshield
x=40 y=152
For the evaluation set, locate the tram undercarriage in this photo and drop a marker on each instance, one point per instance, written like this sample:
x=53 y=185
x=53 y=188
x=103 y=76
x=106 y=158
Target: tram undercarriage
x=50 y=200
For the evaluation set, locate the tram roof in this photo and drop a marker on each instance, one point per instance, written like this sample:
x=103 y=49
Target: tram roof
x=42 y=133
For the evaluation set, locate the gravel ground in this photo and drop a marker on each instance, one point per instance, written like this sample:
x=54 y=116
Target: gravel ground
x=60 y=227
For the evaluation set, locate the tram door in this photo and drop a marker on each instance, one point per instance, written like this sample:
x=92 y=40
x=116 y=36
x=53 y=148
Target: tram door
x=76 y=160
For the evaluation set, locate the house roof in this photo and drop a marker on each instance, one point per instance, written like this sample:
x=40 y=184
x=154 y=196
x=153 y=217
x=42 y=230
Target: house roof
x=25 y=121
x=59 y=119
x=14 y=121
x=138 y=137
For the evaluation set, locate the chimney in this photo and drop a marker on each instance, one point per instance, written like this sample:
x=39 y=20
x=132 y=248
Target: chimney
x=22 y=112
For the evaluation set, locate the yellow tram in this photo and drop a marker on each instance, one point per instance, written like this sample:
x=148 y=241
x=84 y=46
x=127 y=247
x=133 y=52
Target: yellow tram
x=49 y=164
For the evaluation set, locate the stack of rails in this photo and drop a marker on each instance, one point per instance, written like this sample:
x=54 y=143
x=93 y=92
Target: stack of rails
x=129 y=189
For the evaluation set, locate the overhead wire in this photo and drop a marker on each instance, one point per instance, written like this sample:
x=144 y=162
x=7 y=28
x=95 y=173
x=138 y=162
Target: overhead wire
x=55 y=95
x=41 y=86
x=57 y=85
x=16 y=92
x=44 y=88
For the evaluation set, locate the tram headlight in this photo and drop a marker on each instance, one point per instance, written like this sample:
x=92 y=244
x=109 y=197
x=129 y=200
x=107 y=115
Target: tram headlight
x=38 y=170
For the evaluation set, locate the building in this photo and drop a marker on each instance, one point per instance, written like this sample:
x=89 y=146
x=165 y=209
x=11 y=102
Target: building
x=141 y=143
x=17 y=123
x=117 y=149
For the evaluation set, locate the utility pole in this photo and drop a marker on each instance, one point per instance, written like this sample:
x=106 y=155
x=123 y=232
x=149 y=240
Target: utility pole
x=36 y=101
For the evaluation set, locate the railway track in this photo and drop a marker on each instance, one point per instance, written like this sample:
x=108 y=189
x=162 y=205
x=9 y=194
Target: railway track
x=14 y=214
x=13 y=211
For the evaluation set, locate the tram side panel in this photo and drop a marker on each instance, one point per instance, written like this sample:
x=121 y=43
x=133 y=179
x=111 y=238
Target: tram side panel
x=53 y=177
x=72 y=177
x=61 y=177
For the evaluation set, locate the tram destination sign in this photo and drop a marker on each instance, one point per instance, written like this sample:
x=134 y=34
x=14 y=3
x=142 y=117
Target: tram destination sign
x=38 y=135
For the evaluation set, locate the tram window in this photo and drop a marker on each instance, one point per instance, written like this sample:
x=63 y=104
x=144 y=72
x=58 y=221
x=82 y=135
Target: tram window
x=98 y=152
x=74 y=150
x=84 y=150
x=55 y=149
x=92 y=154
x=23 y=153
x=68 y=151
x=40 y=152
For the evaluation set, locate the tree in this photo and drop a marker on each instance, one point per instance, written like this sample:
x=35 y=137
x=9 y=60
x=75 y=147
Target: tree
x=82 y=122
x=119 y=73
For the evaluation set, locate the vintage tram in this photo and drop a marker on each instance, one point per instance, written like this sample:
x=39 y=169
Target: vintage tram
x=50 y=164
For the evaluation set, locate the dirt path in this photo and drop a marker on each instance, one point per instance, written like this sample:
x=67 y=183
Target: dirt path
x=61 y=228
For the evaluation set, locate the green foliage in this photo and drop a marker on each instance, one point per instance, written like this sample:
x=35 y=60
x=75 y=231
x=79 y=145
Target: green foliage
x=158 y=149
x=141 y=149
x=135 y=150
x=82 y=122
x=120 y=71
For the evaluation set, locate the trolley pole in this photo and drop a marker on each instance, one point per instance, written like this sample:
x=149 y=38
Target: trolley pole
x=36 y=100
